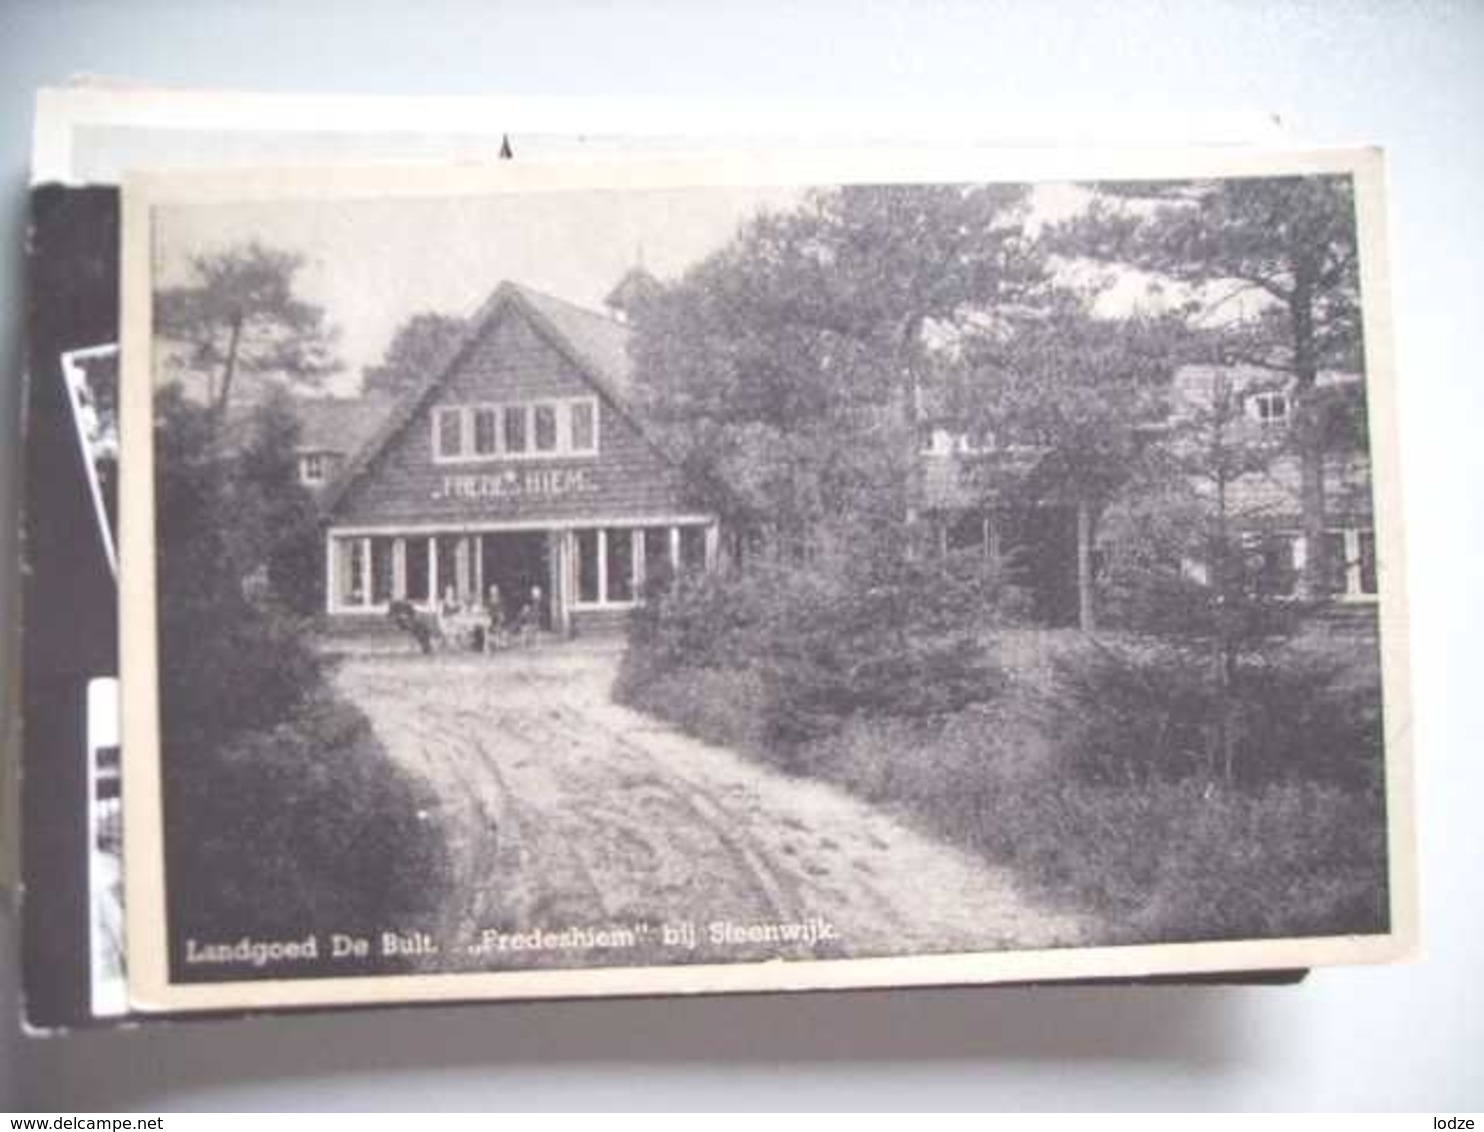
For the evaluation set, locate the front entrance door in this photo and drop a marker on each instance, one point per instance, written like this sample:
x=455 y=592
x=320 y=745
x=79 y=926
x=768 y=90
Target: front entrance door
x=517 y=562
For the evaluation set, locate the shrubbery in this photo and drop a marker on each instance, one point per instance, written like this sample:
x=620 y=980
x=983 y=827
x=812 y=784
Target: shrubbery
x=1149 y=711
x=1185 y=860
x=305 y=826
x=283 y=813
x=811 y=647
x=1092 y=777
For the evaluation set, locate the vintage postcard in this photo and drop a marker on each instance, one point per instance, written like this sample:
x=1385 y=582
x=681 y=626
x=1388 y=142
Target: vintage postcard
x=757 y=572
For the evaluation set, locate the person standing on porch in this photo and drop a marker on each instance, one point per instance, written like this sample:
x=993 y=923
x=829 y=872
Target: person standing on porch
x=528 y=621
x=494 y=612
x=449 y=611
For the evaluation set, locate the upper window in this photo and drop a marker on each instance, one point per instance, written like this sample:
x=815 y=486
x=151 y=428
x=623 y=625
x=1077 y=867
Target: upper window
x=1270 y=408
x=546 y=427
x=312 y=468
x=515 y=430
x=543 y=429
x=583 y=416
x=486 y=431
x=449 y=427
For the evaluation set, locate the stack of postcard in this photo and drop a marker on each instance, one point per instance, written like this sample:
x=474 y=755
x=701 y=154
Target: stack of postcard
x=563 y=551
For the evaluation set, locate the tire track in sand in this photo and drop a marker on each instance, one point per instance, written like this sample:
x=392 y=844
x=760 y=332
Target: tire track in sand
x=567 y=810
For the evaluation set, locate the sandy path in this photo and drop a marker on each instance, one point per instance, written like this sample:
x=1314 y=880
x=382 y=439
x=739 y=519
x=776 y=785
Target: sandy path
x=563 y=809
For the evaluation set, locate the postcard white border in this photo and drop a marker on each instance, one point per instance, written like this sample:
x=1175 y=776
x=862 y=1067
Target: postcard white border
x=61 y=112
x=150 y=986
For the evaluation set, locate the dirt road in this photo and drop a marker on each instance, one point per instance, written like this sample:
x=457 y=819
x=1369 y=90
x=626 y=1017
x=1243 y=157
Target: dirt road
x=564 y=810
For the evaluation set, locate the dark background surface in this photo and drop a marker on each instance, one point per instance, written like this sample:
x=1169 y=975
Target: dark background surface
x=1403 y=75
x=68 y=589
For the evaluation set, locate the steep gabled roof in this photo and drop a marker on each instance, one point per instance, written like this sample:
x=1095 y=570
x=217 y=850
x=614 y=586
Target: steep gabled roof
x=596 y=346
x=326 y=424
x=339 y=424
x=601 y=342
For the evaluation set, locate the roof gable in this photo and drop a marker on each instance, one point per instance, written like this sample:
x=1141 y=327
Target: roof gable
x=596 y=347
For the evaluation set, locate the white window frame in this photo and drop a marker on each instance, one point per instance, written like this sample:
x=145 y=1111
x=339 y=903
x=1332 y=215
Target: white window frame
x=523 y=410
x=1270 y=398
x=312 y=468
x=350 y=554
x=1350 y=548
x=561 y=406
x=459 y=413
x=472 y=427
x=565 y=429
x=601 y=544
x=532 y=413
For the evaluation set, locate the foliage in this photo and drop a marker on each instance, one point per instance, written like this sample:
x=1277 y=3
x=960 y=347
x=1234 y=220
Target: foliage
x=301 y=826
x=282 y=813
x=1084 y=393
x=417 y=349
x=227 y=664
x=886 y=635
x=787 y=368
x=1148 y=712
x=1287 y=244
x=865 y=636
x=239 y=313
x=1182 y=536
x=1085 y=389
x=1197 y=774
x=1094 y=794
x=275 y=521
x=1172 y=861
x=1288 y=241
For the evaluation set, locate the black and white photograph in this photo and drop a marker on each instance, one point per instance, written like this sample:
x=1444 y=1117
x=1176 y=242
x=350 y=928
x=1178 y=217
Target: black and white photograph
x=611 y=578
x=91 y=377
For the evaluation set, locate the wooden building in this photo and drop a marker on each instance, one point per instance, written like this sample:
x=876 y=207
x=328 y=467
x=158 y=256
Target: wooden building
x=519 y=463
x=979 y=495
x=1264 y=502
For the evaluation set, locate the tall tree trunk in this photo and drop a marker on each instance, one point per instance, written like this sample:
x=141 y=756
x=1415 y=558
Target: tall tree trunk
x=229 y=370
x=1314 y=582
x=1086 y=604
x=908 y=350
x=1309 y=435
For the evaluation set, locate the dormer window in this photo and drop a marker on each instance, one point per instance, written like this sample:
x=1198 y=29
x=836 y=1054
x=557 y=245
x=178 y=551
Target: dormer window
x=312 y=468
x=1270 y=409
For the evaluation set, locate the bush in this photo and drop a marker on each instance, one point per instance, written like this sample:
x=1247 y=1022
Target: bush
x=308 y=826
x=1179 y=861
x=723 y=706
x=1094 y=790
x=1095 y=768
x=1291 y=859
x=817 y=646
x=1151 y=711
x=283 y=813
x=227 y=666
x=1157 y=861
